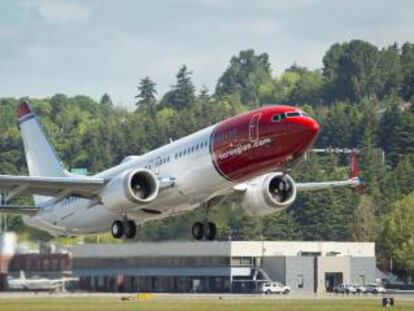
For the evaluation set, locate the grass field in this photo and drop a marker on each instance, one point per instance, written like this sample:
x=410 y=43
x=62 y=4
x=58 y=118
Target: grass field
x=46 y=304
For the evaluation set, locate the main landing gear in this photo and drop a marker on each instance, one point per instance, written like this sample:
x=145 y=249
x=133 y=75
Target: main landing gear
x=125 y=228
x=205 y=229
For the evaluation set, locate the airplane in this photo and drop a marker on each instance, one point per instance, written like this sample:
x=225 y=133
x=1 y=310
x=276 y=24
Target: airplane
x=246 y=157
x=37 y=284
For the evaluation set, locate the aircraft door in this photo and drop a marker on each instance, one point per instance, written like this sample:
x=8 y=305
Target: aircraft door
x=157 y=165
x=254 y=127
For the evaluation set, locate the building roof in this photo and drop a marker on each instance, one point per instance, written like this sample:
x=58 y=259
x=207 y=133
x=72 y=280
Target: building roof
x=225 y=249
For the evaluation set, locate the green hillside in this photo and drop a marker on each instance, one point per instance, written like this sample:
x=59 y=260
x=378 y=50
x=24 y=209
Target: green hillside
x=361 y=97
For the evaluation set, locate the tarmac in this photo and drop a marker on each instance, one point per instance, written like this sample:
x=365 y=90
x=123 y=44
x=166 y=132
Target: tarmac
x=399 y=295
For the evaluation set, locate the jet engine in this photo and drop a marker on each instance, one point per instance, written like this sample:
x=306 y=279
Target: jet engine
x=130 y=188
x=268 y=194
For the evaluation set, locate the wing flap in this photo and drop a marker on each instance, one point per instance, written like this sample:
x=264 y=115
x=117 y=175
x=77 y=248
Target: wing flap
x=51 y=186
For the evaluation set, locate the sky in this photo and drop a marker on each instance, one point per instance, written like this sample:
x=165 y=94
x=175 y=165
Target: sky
x=92 y=47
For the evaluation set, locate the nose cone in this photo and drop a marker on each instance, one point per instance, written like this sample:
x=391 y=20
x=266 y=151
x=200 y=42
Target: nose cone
x=312 y=127
x=307 y=130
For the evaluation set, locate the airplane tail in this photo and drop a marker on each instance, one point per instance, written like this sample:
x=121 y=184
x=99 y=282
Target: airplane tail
x=41 y=158
x=22 y=276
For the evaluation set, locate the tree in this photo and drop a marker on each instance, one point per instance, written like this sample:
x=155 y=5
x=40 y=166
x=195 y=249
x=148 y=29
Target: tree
x=308 y=89
x=322 y=215
x=106 y=100
x=404 y=176
x=399 y=233
x=351 y=71
x=389 y=127
x=244 y=76
x=390 y=71
x=281 y=226
x=183 y=92
x=407 y=65
x=146 y=96
x=365 y=221
x=397 y=127
x=106 y=104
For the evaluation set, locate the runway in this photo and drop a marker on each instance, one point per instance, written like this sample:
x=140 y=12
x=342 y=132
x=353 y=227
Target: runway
x=400 y=295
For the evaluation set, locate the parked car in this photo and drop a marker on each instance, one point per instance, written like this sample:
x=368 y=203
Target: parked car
x=275 y=288
x=362 y=289
x=375 y=289
x=345 y=289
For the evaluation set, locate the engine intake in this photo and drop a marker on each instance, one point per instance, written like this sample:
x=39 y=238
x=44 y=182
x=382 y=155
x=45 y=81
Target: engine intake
x=268 y=194
x=143 y=186
x=130 y=188
x=279 y=190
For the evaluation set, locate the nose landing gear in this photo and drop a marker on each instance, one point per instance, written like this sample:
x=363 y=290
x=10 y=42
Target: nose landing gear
x=126 y=229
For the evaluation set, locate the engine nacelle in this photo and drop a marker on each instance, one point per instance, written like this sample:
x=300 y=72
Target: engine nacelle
x=269 y=194
x=129 y=189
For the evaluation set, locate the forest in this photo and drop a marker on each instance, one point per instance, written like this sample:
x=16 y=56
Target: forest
x=362 y=97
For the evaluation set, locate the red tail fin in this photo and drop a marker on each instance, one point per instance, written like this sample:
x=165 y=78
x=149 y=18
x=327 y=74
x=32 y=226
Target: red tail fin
x=354 y=172
x=353 y=165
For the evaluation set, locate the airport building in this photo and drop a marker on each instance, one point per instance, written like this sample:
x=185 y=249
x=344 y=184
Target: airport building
x=231 y=266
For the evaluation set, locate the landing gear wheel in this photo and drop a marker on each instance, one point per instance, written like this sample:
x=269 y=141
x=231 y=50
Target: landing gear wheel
x=117 y=229
x=210 y=231
x=198 y=230
x=130 y=229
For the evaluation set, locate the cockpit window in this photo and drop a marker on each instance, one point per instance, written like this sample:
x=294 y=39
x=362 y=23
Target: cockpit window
x=278 y=117
x=281 y=116
x=293 y=114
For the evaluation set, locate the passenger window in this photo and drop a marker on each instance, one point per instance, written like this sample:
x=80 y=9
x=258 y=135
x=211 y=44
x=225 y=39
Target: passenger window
x=197 y=147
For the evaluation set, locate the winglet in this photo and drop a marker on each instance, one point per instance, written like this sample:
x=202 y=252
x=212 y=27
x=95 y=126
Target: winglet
x=353 y=165
x=23 y=109
x=353 y=173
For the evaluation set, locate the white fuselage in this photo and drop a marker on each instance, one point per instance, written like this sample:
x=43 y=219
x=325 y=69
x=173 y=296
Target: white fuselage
x=197 y=181
x=183 y=175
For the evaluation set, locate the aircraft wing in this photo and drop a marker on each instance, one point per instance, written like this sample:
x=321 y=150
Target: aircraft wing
x=353 y=180
x=19 y=209
x=314 y=186
x=50 y=186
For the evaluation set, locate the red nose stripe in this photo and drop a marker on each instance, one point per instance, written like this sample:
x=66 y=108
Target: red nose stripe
x=23 y=110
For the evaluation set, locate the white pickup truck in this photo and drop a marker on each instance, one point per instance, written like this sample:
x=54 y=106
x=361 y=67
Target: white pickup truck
x=275 y=288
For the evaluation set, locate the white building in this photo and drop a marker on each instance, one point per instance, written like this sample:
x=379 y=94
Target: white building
x=222 y=266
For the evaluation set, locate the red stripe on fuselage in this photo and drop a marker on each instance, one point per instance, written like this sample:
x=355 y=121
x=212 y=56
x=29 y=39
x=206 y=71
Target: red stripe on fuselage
x=251 y=144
